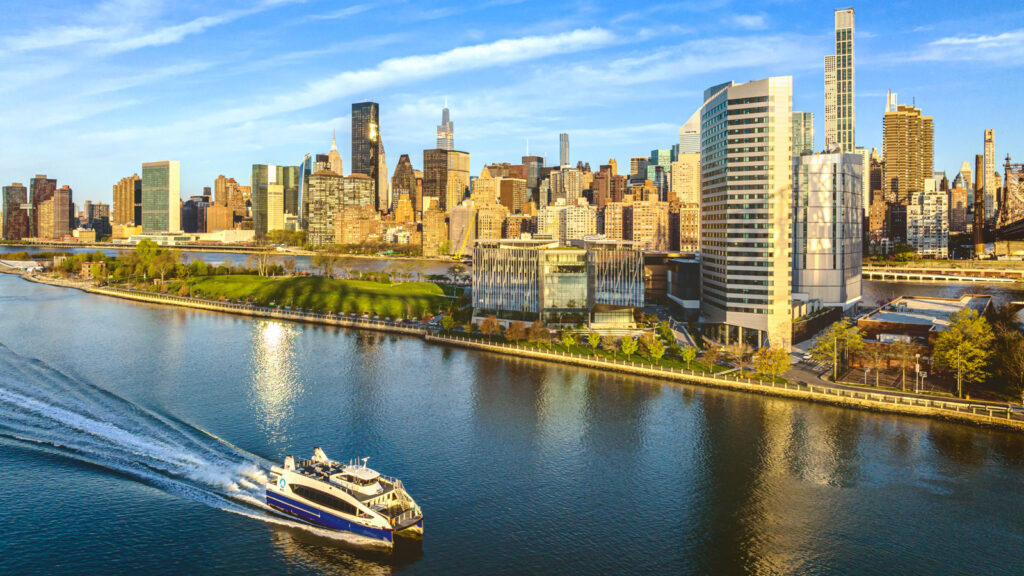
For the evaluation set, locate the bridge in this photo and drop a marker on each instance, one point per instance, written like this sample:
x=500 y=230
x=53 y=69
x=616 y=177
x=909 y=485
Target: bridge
x=942 y=275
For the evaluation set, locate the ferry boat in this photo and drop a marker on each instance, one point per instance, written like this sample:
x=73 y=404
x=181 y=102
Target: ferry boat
x=346 y=497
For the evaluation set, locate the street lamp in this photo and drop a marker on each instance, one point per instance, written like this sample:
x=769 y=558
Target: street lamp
x=866 y=370
x=917 y=373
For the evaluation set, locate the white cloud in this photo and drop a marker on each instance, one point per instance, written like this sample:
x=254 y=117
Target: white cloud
x=1006 y=48
x=750 y=21
x=346 y=12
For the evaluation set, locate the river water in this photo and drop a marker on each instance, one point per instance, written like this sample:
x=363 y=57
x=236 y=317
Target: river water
x=133 y=439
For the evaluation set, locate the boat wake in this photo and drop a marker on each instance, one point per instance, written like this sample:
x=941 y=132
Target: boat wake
x=43 y=408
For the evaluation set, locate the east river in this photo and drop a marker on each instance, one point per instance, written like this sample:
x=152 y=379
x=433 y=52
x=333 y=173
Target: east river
x=133 y=436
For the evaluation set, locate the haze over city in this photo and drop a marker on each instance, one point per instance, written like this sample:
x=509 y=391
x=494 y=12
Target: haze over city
x=90 y=90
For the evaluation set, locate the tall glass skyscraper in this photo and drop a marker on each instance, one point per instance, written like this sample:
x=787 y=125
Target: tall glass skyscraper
x=366 y=140
x=161 y=196
x=803 y=133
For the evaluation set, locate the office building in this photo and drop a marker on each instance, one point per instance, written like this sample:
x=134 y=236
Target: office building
x=334 y=157
x=41 y=189
x=827 y=228
x=484 y=189
x=980 y=223
x=403 y=181
x=907 y=145
x=16 y=213
x=161 y=197
x=263 y=176
x=563 y=149
x=512 y=194
x=446 y=130
x=803 y=133
x=746 y=211
x=689 y=135
x=959 y=199
x=445 y=177
x=124 y=195
x=435 y=231
x=366 y=141
x=525 y=280
x=357 y=192
x=490 y=222
x=646 y=225
x=839 y=85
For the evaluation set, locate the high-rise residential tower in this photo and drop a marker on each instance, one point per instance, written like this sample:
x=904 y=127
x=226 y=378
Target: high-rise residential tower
x=803 y=133
x=161 y=196
x=746 y=218
x=563 y=149
x=446 y=130
x=366 y=140
x=839 y=85
x=16 y=210
x=907 y=146
x=990 y=183
x=124 y=199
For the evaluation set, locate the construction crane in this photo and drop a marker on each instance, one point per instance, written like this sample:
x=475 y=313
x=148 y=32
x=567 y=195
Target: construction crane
x=465 y=237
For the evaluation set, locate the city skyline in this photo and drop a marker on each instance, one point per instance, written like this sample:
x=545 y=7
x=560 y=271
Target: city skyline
x=130 y=86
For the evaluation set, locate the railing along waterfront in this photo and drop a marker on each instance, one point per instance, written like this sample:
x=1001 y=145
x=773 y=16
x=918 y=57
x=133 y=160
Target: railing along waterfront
x=996 y=413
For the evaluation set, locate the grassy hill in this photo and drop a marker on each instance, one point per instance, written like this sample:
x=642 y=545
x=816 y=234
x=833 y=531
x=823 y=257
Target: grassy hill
x=409 y=299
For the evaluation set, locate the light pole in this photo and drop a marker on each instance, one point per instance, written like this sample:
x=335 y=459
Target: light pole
x=917 y=373
x=866 y=370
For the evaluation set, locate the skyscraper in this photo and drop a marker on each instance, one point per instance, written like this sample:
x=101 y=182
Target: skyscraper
x=746 y=213
x=980 y=207
x=803 y=133
x=907 y=146
x=563 y=149
x=366 y=140
x=334 y=157
x=446 y=130
x=161 y=196
x=264 y=175
x=124 y=199
x=990 y=183
x=325 y=193
x=41 y=189
x=16 y=210
x=689 y=135
x=839 y=85
x=404 y=180
x=445 y=177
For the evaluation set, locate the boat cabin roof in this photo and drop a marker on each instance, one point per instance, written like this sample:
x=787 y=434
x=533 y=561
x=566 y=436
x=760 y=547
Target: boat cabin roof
x=361 y=473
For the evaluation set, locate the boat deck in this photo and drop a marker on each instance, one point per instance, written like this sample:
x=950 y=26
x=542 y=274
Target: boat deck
x=323 y=473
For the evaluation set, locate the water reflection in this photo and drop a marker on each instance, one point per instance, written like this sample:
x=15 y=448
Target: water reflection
x=309 y=551
x=275 y=381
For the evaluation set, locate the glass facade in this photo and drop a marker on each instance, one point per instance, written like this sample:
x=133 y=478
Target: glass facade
x=161 y=197
x=529 y=280
x=366 y=140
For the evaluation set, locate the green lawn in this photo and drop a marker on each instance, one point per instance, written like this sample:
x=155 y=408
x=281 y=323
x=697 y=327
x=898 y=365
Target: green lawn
x=409 y=299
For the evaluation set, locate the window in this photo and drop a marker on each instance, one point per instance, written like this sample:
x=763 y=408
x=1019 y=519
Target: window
x=324 y=499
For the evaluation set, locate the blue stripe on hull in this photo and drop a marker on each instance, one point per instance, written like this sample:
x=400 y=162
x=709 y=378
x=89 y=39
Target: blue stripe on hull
x=322 y=518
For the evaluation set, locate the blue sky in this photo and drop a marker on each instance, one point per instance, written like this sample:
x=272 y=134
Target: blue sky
x=90 y=90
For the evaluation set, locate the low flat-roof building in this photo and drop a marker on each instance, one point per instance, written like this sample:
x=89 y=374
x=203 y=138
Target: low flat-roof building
x=917 y=318
x=598 y=282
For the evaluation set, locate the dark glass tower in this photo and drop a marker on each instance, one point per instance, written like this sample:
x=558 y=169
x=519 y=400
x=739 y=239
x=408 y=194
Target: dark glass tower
x=366 y=140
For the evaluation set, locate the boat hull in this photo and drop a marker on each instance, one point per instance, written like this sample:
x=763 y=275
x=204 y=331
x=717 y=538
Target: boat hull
x=325 y=519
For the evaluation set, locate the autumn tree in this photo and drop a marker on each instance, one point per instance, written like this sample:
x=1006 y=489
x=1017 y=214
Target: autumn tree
x=516 y=332
x=539 y=333
x=490 y=326
x=772 y=361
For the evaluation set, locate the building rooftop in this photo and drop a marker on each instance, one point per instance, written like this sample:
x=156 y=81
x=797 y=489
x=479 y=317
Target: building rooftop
x=925 y=311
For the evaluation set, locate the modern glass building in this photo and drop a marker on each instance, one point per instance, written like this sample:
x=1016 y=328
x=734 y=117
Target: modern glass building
x=263 y=175
x=366 y=140
x=161 y=196
x=596 y=283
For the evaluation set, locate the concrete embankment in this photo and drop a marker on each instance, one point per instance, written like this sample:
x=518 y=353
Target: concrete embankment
x=952 y=410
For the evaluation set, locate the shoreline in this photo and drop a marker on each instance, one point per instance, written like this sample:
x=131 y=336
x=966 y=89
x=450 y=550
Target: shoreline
x=954 y=410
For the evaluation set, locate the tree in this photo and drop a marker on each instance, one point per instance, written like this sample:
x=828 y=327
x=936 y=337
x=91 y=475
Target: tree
x=645 y=341
x=629 y=346
x=163 y=263
x=490 y=326
x=447 y=322
x=326 y=262
x=739 y=354
x=712 y=353
x=904 y=353
x=608 y=343
x=290 y=265
x=771 y=360
x=656 y=349
x=877 y=357
x=594 y=339
x=688 y=354
x=516 y=332
x=569 y=339
x=963 y=348
x=1009 y=361
x=838 y=343
x=538 y=333
x=456 y=270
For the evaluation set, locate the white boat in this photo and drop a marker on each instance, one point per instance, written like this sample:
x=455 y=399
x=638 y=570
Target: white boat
x=346 y=497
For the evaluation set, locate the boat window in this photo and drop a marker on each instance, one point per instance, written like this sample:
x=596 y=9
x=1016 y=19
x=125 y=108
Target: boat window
x=324 y=499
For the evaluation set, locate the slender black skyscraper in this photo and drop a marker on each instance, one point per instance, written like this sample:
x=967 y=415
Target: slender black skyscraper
x=366 y=141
